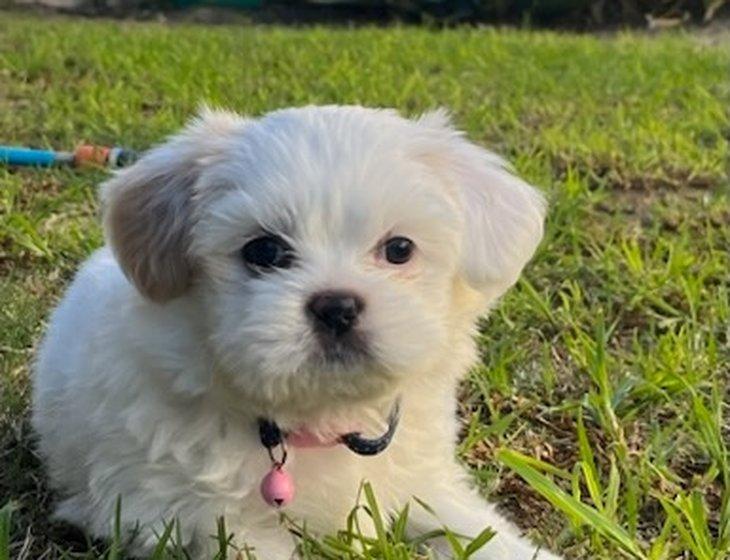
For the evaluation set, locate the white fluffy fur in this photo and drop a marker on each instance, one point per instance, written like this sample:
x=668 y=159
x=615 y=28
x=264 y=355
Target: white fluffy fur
x=154 y=397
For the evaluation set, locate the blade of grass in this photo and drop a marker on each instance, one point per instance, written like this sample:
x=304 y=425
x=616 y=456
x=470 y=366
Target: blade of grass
x=588 y=464
x=566 y=503
x=479 y=541
x=159 y=551
x=6 y=516
x=115 y=547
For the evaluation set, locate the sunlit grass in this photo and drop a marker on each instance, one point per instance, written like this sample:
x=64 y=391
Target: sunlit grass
x=598 y=414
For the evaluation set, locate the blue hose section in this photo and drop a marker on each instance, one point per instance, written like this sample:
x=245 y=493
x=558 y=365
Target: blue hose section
x=10 y=155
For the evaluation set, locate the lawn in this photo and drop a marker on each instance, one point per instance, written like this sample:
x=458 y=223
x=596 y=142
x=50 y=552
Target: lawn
x=607 y=365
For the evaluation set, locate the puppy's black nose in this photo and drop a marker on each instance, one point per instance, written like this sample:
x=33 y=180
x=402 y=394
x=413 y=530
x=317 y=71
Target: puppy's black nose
x=336 y=312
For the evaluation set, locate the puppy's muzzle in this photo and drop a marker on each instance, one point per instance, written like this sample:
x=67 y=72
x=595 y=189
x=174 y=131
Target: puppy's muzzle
x=335 y=313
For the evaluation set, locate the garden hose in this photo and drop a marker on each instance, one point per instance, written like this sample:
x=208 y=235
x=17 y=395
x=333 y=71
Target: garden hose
x=85 y=155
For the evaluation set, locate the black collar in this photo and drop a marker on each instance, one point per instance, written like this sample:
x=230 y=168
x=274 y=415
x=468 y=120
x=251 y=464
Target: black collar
x=271 y=435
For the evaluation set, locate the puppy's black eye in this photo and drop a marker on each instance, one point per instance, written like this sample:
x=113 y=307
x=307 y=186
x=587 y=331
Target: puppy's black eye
x=399 y=250
x=268 y=251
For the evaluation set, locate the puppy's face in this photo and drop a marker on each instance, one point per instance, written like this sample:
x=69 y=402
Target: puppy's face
x=325 y=244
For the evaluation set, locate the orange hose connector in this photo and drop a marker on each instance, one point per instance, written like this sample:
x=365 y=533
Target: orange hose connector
x=96 y=156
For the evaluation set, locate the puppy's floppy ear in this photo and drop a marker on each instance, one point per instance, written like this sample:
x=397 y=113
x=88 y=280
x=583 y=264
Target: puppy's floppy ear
x=503 y=214
x=148 y=207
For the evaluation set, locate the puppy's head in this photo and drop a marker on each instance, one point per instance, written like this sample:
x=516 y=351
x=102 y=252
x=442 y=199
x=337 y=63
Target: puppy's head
x=333 y=250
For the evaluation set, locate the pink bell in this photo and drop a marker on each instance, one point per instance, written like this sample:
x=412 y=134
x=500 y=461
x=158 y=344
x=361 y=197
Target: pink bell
x=277 y=487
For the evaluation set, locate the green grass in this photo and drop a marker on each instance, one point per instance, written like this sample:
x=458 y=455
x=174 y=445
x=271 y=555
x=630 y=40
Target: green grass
x=598 y=416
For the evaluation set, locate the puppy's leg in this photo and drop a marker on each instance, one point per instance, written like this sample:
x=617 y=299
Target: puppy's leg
x=260 y=542
x=464 y=512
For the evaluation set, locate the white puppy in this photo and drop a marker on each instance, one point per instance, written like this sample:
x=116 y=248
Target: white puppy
x=309 y=268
